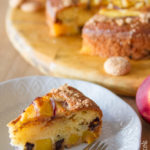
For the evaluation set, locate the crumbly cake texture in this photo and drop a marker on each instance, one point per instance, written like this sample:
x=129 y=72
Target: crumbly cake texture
x=74 y=98
x=62 y=118
x=127 y=36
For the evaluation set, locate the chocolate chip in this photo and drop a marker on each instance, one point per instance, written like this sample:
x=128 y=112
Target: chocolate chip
x=58 y=20
x=131 y=46
x=58 y=144
x=130 y=56
x=29 y=146
x=80 y=28
x=88 y=5
x=94 y=123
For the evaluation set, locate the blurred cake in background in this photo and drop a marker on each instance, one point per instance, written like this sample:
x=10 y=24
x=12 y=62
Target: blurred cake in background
x=62 y=118
x=119 y=31
x=67 y=17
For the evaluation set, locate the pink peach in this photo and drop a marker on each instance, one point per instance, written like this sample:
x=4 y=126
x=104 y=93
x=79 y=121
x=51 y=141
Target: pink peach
x=143 y=99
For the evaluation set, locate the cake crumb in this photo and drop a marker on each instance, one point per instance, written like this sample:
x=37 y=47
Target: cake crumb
x=72 y=96
x=145 y=17
x=128 y=20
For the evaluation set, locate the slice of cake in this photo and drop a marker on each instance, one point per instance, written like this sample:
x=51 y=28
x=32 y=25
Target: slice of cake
x=121 y=32
x=67 y=17
x=62 y=118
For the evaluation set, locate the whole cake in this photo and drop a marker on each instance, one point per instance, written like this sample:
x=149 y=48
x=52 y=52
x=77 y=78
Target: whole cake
x=121 y=32
x=62 y=118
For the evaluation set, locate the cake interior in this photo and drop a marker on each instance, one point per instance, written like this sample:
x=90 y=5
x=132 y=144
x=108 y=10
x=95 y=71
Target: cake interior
x=72 y=130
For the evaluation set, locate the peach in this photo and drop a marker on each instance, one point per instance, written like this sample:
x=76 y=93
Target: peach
x=44 y=107
x=45 y=144
x=73 y=139
x=143 y=99
x=88 y=137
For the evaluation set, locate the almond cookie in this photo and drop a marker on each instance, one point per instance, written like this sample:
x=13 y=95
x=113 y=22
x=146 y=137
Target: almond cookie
x=117 y=66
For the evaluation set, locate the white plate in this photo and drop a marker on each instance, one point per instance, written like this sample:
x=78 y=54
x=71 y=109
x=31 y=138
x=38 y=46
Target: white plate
x=121 y=126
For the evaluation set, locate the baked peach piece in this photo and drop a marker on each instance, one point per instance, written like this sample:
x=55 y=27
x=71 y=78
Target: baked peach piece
x=62 y=118
x=118 y=33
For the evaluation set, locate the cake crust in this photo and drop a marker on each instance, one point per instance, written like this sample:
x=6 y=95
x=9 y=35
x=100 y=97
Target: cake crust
x=75 y=99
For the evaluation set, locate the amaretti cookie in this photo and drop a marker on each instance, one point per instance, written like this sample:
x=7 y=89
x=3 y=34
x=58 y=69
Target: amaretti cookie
x=117 y=66
x=62 y=118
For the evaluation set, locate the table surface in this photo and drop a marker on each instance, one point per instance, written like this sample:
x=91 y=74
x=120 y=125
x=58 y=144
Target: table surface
x=13 y=66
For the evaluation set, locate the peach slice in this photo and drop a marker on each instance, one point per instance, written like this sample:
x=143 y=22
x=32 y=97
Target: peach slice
x=44 y=107
x=88 y=137
x=73 y=139
x=28 y=114
x=45 y=144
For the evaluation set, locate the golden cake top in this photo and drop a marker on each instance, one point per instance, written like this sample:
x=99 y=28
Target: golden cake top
x=59 y=102
x=121 y=17
x=72 y=97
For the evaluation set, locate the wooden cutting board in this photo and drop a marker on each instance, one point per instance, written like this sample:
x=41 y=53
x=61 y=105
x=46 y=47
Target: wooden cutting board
x=61 y=56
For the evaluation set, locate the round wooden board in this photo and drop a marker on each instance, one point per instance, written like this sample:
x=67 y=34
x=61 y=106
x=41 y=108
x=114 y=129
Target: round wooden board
x=61 y=56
